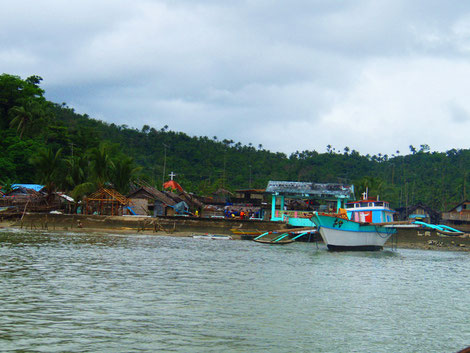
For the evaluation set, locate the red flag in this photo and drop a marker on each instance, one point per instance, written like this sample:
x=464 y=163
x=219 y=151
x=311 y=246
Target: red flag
x=172 y=185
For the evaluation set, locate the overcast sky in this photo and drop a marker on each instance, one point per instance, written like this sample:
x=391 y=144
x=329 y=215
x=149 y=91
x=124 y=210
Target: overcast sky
x=376 y=76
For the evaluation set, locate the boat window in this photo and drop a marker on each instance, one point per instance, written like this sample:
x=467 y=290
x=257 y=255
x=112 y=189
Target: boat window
x=379 y=203
x=363 y=205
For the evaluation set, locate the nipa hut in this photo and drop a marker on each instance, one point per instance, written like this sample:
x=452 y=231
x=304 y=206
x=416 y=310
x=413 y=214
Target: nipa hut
x=149 y=201
x=418 y=212
x=185 y=202
x=25 y=199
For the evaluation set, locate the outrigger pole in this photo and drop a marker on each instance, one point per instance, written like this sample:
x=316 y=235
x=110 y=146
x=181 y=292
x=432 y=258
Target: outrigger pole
x=283 y=234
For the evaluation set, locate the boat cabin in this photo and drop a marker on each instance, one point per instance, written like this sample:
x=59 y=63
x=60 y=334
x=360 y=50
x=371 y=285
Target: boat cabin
x=371 y=211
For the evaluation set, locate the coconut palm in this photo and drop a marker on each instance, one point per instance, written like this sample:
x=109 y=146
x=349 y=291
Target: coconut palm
x=24 y=115
x=100 y=164
x=49 y=167
x=77 y=168
x=123 y=173
x=374 y=186
x=97 y=164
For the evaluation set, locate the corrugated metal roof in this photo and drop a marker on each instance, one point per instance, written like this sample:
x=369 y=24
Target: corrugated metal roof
x=310 y=189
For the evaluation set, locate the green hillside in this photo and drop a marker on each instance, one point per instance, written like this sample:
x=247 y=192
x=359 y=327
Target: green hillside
x=49 y=143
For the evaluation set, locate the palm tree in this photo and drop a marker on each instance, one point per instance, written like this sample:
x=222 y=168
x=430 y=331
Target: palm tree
x=77 y=169
x=101 y=164
x=100 y=168
x=76 y=180
x=49 y=167
x=374 y=186
x=123 y=173
x=23 y=116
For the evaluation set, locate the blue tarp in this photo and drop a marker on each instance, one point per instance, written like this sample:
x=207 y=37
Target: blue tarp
x=35 y=187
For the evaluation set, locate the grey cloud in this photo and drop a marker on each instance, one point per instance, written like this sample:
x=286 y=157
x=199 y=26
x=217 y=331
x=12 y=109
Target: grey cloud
x=261 y=64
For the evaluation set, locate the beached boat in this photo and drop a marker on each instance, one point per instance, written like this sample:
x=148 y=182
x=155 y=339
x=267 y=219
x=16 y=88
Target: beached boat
x=212 y=236
x=274 y=242
x=364 y=225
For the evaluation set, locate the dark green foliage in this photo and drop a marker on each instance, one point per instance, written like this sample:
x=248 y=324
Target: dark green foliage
x=49 y=167
x=123 y=173
x=94 y=153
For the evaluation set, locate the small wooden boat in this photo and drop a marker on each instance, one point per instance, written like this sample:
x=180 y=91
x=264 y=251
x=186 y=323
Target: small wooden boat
x=274 y=242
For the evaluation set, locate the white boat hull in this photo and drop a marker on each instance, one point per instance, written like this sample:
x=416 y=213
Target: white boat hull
x=343 y=234
x=336 y=239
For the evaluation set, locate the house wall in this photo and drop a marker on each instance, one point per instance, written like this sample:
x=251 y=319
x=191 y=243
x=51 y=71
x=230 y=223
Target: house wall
x=158 y=208
x=140 y=206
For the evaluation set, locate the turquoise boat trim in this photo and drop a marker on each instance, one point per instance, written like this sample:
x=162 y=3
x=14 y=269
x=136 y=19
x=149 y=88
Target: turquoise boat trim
x=432 y=226
x=300 y=222
x=260 y=236
x=282 y=236
x=450 y=228
x=301 y=234
x=347 y=225
x=440 y=227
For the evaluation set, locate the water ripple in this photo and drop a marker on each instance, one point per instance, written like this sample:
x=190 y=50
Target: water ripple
x=104 y=292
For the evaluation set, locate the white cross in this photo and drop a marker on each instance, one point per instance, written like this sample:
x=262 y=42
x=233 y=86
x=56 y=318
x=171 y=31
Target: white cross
x=172 y=175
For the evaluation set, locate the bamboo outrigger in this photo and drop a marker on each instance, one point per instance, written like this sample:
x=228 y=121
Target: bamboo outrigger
x=281 y=235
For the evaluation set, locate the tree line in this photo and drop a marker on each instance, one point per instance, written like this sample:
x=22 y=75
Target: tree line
x=49 y=143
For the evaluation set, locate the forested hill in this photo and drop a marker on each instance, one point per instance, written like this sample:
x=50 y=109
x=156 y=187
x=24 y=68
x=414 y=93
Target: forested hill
x=49 y=143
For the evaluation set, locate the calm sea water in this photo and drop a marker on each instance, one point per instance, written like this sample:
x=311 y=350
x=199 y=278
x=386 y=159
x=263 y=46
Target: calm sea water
x=103 y=292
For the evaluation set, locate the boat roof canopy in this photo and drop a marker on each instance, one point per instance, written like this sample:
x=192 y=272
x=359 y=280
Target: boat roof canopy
x=310 y=190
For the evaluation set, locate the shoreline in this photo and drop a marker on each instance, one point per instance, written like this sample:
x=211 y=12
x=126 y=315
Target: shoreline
x=405 y=238
x=428 y=240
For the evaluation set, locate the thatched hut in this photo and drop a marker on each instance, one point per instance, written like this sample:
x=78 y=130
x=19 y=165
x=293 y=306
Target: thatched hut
x=149 y=201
